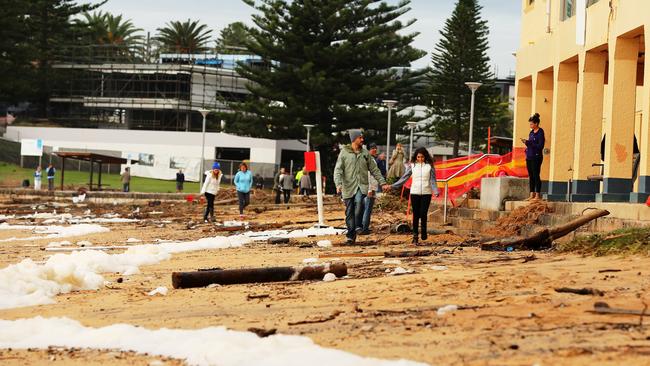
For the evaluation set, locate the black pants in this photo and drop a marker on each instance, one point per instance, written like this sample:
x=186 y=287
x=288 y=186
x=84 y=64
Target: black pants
x=534 y=167
x=244 y=200
x=209 y=208
x=420 y=204
x=287 y=195
x=278 y=194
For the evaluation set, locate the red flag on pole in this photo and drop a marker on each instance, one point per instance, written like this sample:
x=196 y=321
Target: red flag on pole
x=310 y=161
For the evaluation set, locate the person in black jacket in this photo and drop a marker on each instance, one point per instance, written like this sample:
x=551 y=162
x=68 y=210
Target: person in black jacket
x=180 y=179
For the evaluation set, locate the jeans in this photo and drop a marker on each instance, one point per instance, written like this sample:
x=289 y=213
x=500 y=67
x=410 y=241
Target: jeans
x=278 y=194
x=287 y=195
x=126 y=187
x=534 y=167
x=244 y=200
x=354 y=213
x=209 y=208
x=50 y=184
x=420 y=204
x=368 y=204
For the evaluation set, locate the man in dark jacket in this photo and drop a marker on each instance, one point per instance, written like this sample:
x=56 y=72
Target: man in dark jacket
x=180 y=179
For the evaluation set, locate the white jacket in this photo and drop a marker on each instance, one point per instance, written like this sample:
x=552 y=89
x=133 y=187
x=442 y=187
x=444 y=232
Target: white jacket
x=211 y=185
x=424 y=179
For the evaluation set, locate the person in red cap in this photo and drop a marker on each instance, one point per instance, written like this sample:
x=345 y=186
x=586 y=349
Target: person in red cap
x=210 y=189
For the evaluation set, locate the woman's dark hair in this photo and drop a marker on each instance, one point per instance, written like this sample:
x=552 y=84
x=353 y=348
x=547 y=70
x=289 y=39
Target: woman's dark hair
x=427 y=157
x=534 y=118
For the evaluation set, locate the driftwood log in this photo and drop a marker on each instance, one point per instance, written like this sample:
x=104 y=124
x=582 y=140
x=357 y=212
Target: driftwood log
x=544 y=237
x=256 y=275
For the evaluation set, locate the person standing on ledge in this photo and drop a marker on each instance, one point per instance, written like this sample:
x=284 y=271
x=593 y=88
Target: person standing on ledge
x=534 y=156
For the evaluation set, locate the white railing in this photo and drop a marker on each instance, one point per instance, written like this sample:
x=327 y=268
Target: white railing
x=448 y=179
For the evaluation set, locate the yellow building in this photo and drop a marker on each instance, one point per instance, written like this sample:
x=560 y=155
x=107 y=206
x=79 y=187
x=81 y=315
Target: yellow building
x=581 y=65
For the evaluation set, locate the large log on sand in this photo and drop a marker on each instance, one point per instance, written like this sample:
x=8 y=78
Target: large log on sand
x=544 y=237
x=256 y=275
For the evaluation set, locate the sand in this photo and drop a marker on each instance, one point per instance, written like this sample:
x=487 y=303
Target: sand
x=509 y=312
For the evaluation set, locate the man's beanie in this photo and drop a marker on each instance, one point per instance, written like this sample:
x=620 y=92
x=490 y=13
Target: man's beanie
x=354 y=134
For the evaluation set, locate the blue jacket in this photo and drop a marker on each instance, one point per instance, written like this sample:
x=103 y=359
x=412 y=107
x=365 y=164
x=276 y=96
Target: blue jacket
x=535 y=144
x=244 y=181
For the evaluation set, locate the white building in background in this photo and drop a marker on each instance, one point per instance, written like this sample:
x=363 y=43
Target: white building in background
x=162 y=153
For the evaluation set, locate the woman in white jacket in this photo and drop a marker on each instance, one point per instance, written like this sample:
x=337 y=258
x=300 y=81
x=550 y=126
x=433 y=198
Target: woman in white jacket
x=210 y=189
x=423 y=185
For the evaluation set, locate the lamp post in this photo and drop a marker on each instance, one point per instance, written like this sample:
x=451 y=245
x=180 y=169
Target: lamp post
x=308 y=127
x=411 y=125
x=390 y=103
x=204 y=112
x=472 y=86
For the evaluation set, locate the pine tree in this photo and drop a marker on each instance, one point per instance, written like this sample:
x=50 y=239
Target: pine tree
x=233 y=38
x=51 y=30
x=461 y=56
x=325 y=62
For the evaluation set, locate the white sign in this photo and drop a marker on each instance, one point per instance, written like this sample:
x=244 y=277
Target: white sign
x=31 y=147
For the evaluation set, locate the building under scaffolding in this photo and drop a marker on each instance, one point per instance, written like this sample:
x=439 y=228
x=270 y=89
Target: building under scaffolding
x=113 y=88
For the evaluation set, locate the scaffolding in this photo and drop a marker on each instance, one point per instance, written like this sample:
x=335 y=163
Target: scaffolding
x=115 y=87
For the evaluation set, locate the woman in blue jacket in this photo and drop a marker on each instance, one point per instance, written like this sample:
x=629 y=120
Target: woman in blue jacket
x=243 y=184
x=534 y=156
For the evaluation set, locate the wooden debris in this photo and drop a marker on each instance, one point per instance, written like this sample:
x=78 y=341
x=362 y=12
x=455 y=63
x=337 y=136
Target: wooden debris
x=278 y=240
x=526 y=259
x=542 y=238
x=256 y=275
x=317 y=320
x=604 y=308
x=260 y=296
x=263 y=333
x=609 y=270
x=580 y=291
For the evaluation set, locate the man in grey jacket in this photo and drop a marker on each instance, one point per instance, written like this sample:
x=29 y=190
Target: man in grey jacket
x=351 y=179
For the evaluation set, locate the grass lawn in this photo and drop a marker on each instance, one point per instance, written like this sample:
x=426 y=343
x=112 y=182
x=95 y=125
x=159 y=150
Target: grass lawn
x=12 y=175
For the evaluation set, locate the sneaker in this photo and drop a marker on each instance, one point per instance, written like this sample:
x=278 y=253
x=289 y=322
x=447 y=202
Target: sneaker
x=364 y=232
x=350 y=241
x=205 y=221
x=424 y=236
x=415 y=240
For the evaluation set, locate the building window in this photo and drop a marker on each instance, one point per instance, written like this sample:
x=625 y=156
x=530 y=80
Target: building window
x=568 y=9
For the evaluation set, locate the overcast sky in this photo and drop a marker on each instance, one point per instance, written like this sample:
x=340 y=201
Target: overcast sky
x=502 y=16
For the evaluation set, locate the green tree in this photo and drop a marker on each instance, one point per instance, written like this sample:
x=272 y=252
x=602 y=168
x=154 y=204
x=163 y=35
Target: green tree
x=51 y=30
x=184 y=37
x=15 y=56
x=461 y=56
x=325 y=62
x=233 y=38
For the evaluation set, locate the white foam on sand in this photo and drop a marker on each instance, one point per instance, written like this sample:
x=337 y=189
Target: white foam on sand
x=301 y=233
x=54 y=231
x=28 y=283
x=207 y=346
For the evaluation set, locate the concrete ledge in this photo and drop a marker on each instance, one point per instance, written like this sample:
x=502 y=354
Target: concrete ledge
x=494 y=191
x=618 y=210
x=93 y=196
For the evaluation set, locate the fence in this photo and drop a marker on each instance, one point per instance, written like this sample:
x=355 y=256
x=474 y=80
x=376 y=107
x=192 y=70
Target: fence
x=10 y=153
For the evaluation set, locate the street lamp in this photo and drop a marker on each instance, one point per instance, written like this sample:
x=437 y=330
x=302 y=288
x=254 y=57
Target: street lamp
x=472 y=86
x=204 y=112
x=308 y=127
x=412 y=126
x=390 y=104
